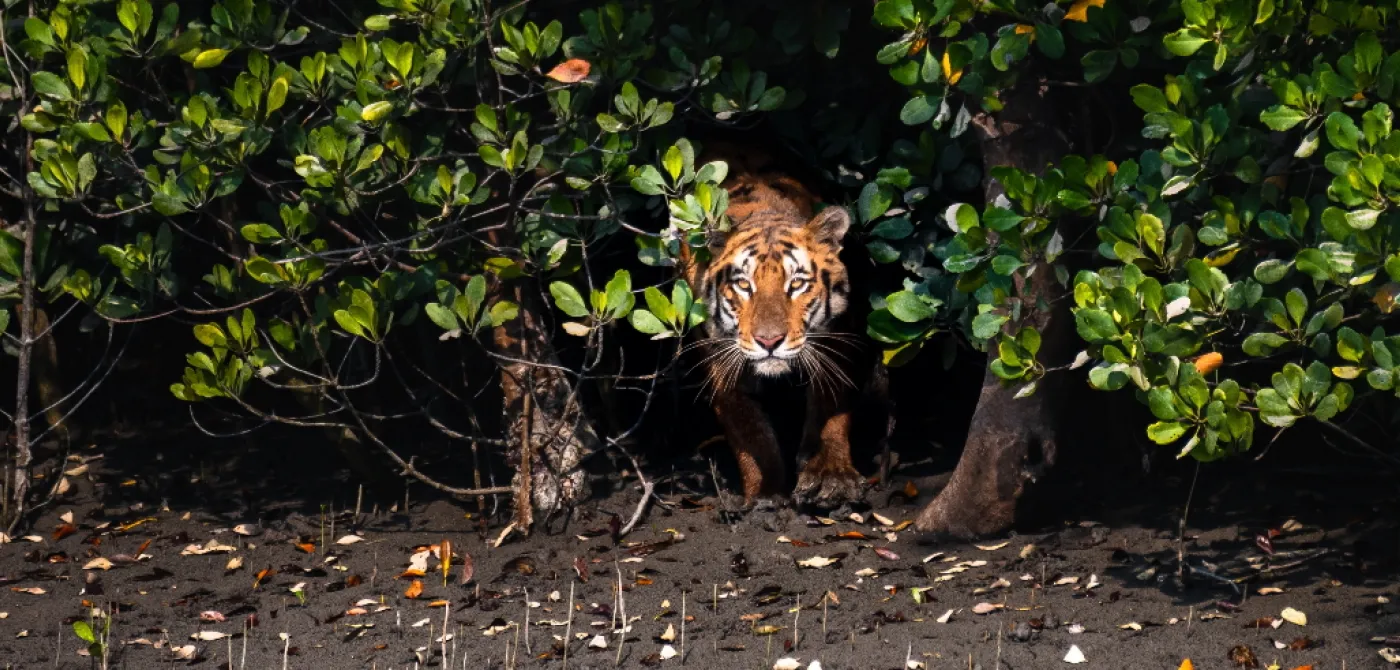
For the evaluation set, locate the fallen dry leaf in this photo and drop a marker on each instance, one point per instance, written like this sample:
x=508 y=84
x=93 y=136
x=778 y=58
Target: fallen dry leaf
x=1075 y=655
x=208 y=635
x=947 y=616
x=210 y=547
x=818 y=562
x=987 y=608
x=31 y=590
x=788 y=663
x=1294 y=617
x=185 y=653
x=350 y=539
x=570 y=71
x=1269 y=590
x=992 y=547
x=882 y=520
x=212 y=617
x=1186 y=665
x=98 y=563
x=414 y=590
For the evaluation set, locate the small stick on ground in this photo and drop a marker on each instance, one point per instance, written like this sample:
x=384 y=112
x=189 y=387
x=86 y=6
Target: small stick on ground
x=622 y=606
x=826 y=598
x=1181 y=528
x=445 y=625
x=569 y=627
x=527 y=623
x=796 y=617
x=682 y=627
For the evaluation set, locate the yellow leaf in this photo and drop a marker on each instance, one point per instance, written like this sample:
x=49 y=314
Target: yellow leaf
x=1079 y=11
x=1112 y=167
x=376 y=110
x=948 y=72
x=209 y=58
x=1221 y=257
x=1026 y=29
x=1186 y=665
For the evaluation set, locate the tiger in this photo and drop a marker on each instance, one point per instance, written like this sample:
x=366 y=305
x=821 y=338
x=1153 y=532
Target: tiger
x=776 y=291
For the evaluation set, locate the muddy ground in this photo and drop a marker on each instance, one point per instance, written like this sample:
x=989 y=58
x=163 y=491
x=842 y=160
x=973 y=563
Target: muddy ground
x=1101 y=578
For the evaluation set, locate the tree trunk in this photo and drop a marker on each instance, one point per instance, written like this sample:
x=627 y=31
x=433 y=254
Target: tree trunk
x=17 y=488
x=547 y=432
x=1012 y=442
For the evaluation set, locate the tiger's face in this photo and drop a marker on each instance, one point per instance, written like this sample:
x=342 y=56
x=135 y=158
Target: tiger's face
x=775 y=285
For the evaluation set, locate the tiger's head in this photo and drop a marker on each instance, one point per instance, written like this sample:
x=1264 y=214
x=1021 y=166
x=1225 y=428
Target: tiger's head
x=776 y=284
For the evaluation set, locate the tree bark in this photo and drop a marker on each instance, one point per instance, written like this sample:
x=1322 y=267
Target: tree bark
x=1012 y=442
x=547 y=431
x=18 y=488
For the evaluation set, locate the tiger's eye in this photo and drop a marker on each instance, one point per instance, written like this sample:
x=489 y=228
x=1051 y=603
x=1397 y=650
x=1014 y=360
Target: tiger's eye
x=797 y=284
x=743 y=285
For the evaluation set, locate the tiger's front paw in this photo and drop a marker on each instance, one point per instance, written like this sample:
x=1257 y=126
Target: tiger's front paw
x=829 y=485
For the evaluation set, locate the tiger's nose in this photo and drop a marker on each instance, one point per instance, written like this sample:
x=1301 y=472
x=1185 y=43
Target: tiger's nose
x=771 y=343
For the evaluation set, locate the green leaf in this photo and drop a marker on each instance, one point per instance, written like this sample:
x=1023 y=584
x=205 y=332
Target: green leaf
x=277 y=95
x=1282 y=118
x=1183 y=42
x=1005 y=265
x=918 y=110
x=988 y=325
x=503 y=311
x=1150 y=99
x=875 y=200
x=378 y=22
x=1000 y=219
x=1262 y=344
x=260 y=233
x=1095 y=325
x=619 y=292
x=1163 y=432
x=673 y=162
x=659 y=306
x=1049 y=40
x=893 y=229
x=908 y=307
x=442 y=316
x=646 y=322
x=51 y=86
x=568 y=300
x=961 y=217
x=37 y=30
x=84 y=632
x=1342 y=132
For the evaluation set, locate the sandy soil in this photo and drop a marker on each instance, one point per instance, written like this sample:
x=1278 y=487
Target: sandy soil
x=1103 y=580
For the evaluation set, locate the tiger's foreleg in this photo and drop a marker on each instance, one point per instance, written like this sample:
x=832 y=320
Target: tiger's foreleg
x=828 y=479
x=754 y=442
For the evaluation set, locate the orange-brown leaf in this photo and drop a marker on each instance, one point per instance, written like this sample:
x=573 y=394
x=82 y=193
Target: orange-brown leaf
x=414 y=590
x=1186 y=665
x=1079 y=11
x=307 y=547
x=411 y=573
x=1209 y=362
x=64 y=531
x=263 y=574
x=570 y=71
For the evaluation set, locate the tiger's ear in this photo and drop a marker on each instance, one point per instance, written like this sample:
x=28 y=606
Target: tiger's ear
x=831 y=224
